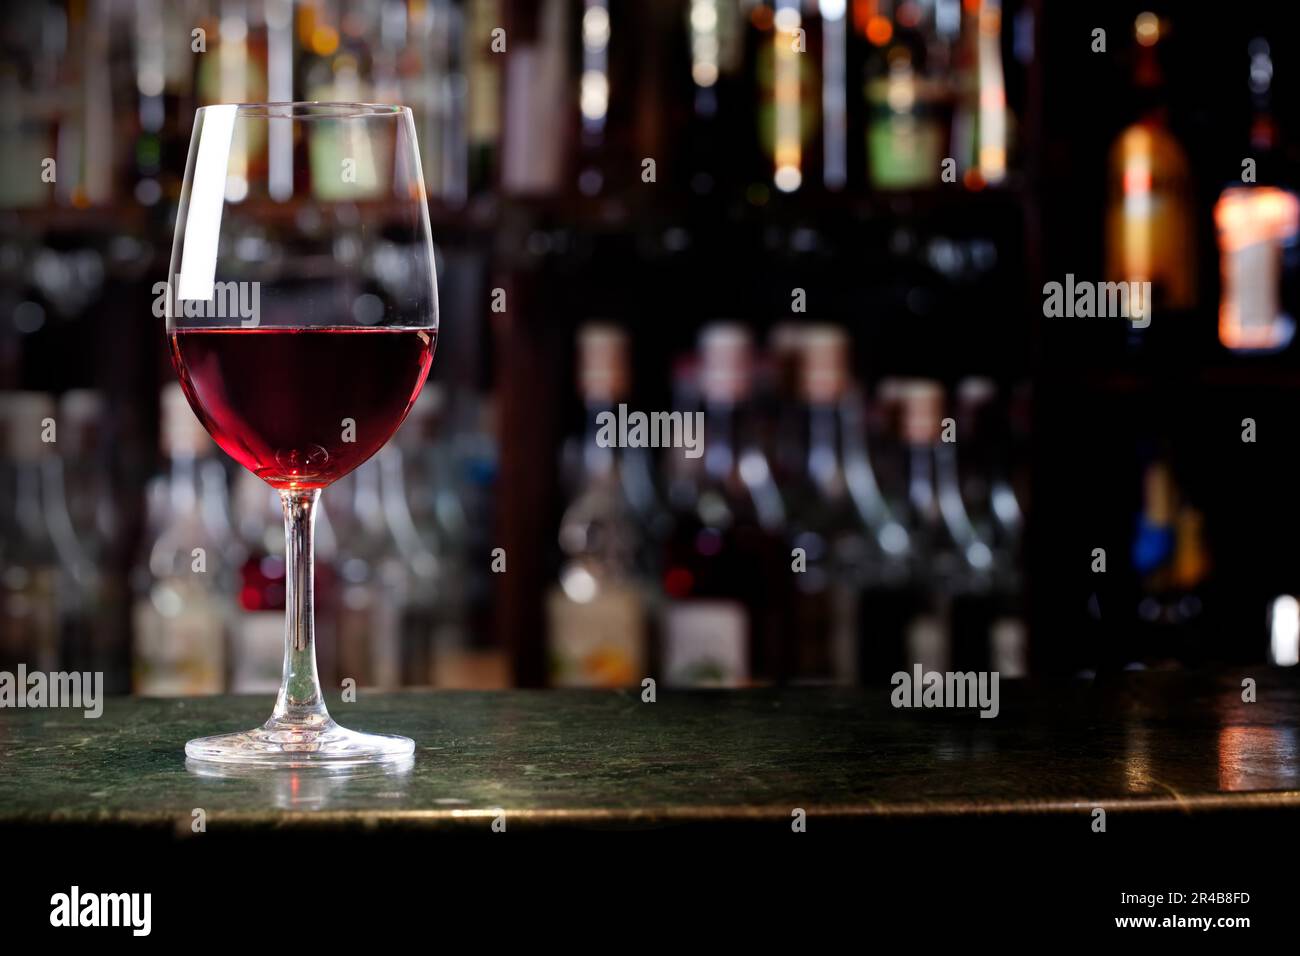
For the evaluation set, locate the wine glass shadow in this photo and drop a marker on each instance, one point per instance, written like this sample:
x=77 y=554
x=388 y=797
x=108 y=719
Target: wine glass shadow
x=314 y=787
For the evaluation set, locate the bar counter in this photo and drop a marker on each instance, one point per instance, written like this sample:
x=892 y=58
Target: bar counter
x=1137 y=744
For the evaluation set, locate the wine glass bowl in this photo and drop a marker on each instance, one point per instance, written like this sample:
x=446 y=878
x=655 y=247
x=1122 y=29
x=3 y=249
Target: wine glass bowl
x=302 y=317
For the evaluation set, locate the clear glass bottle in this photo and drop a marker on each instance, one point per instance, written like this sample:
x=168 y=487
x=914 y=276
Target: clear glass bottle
x=909 y=621
x=373 y=581
x=80 y=513
x=989 y=627
x=723 y=569
x=182 y=609
x=598 y=615
x=828 y=542
x=426 y=518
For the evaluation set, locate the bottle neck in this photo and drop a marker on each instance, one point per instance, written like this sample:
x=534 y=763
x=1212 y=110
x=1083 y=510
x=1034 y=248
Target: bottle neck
x=825 y=458
x=599 y=459
x=26 y=509
x=920 y=482
x=366 y=498
x=720 y=440
x=183 y=483
x=1149 y=85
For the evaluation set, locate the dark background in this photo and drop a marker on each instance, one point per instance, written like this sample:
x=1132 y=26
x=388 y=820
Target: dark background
x=663 y=259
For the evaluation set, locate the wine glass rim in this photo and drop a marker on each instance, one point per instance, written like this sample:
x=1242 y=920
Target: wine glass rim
x=312 y=109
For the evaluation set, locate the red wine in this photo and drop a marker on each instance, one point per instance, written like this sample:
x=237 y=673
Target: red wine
x=302 y=407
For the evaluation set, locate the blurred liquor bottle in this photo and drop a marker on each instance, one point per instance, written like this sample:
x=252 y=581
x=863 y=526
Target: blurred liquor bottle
x=234 y=70
x=723 y=573
x=826 y=536
x=163 y=66
x=530 y=128
x=593 y=97
x=981 y=120
x=431 y=73
x=907 y=620
x=83 y=522
x=485 y=81
x=30 y=581
x=885 y=574
x=779 y=49
x=781 y=399
x=598 y=612
x=337 y=65
x=425 y=514
x=1171 y=563
x=468 y=505
x=638 y=475
x=1257 y=220
x=84 y=152
x=30 y=102
x=715 y=35
x=182 y=609
x=373 y=581
x=1150 y=224
x=682 y=475
x=908 y=103
x=988 y=628
x=835 y=120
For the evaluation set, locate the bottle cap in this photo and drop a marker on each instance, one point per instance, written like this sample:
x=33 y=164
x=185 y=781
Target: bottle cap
x=24 y=417
x=81 y=412
x=825 y=363
x=786 y=339
x=921 y=403
x=785 y=346
x=889 y=390
x=81 y=406
x=602 y=363
x=976 y=390
x=726 y=357
x=182 y=432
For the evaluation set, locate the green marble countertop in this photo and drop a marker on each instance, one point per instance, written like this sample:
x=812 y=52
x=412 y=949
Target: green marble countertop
x=1149 y=742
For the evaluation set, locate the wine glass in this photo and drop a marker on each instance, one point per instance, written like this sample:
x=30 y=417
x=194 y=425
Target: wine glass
x=302 y=315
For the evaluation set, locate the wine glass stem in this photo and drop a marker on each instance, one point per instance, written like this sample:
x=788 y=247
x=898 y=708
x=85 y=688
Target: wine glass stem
x=300 y=703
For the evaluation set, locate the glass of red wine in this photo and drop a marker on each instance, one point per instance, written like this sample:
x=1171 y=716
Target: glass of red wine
x=302 y=315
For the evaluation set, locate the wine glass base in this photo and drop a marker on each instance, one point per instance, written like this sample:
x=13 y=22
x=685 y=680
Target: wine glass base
x=279 y=745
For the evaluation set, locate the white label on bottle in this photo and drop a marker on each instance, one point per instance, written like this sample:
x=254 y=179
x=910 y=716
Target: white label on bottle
x=259 y=653
x=927 y=643
x=706 y=644
x=600 y=643
x=181 y=654
x=1253 y=279
x=1009 y=642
